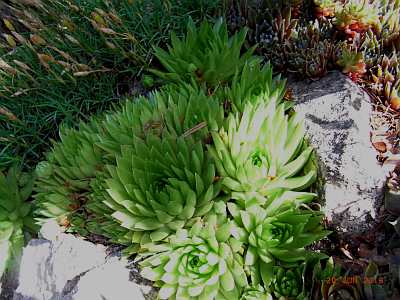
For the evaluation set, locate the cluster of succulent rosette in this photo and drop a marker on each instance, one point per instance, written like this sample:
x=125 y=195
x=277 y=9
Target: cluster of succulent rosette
x=371 y=33
x=353 y=36
x=206 y=181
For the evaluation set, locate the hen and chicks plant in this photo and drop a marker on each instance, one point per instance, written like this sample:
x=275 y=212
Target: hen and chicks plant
x=203 y=262
x=261 y=151
x=159 y=185
x=15 y=215
x=212 y=59
x=206 y=181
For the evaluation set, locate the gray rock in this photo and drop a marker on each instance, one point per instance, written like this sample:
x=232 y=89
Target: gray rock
x=64 y=267
x=8 y=283
x=108 y=281
x=337 y=118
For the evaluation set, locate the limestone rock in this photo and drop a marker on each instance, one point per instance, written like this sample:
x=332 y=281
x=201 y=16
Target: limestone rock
x=109 y=281
x=337 y=118
x=8 y=283
x=65 y=267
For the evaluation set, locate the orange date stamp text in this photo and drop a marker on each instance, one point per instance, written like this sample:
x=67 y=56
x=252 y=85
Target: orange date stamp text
x=353 y=280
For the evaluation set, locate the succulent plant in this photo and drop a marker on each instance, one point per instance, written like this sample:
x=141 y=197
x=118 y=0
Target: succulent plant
x=15 y=215
x=357 y=16
x=175 y=109
x=64 y=179
x=284 y=235
x=283 y=25
x=262 y=151
x=311 y=52
x=202 y=262
x=207 y=56
x=287 y=283
x=352 y=63
x=303 y=48
x=64 y=189
x=252 y=81
x=372 y=47
x=159 y=184
x=390 y=23
x=276 y=236
x=187 y=110
x=255 y=293
x=385 y=81
x=204 y=180
x=136 y=117
x=326 y=8
x=273 y=36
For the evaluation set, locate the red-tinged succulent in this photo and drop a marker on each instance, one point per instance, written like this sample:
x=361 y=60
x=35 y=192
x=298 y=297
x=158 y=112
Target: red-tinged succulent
x=395 y=100
x=295 y=8
x=325 y=8
x=357 y=16
x=352 y=63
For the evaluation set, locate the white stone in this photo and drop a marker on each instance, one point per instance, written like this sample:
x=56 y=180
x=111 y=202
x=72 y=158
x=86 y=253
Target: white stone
x=50 y=230
x=337 y=119
x=110 y=281
x=33 y=278
x=65 y=267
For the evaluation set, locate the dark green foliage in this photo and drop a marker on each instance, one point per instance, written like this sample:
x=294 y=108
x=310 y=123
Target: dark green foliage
x=15 y=215
x=64 y=180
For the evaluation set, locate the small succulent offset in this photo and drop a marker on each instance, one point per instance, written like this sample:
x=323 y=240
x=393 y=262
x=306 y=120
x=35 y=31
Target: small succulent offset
x=15 y=215
x=282 y=236
x=352 y=63
x=262 y=151
x=288 y=283
x=203 y=262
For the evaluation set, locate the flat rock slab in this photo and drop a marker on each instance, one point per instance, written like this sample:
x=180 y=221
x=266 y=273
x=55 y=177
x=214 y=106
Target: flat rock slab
x=64 y=267
x=337 y=118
